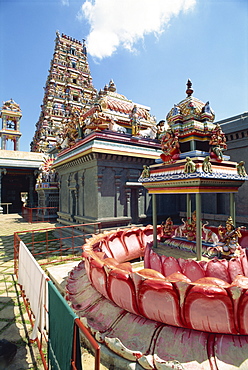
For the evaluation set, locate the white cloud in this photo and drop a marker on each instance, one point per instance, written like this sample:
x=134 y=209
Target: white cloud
x=65 y=2
x=115 y=23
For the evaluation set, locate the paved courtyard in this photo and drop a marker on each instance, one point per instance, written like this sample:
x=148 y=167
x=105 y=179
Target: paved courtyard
x=14 y=322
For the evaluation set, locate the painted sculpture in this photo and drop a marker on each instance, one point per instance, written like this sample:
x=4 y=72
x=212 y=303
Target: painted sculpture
x=167 y=230
x=110 y=111
x=108 y=257
x=170 y=146
x=168 y=295
x=228 y=244
x=217 y=143
x=47 y=174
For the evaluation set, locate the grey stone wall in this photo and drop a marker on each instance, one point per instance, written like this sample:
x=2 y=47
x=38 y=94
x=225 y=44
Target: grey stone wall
x=103 y=188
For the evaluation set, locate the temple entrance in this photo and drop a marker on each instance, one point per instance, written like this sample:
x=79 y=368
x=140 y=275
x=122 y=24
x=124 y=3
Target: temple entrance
x=13 y=184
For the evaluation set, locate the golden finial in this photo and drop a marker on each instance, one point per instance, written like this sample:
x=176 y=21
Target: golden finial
x=189 y=91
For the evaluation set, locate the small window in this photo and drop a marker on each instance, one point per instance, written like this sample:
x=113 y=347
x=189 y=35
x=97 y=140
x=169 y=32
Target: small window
x=75 y=97
x=74 y=80
x=73 y=65
x=72 y=51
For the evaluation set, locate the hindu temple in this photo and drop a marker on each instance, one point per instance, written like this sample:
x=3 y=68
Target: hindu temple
x=158 y=289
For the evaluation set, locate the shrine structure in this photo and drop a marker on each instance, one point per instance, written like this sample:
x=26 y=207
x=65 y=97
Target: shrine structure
x=193 y=161
x=101 y=156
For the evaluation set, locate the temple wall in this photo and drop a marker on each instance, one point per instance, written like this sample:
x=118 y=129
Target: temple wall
x=236 y=130
x=103 y=188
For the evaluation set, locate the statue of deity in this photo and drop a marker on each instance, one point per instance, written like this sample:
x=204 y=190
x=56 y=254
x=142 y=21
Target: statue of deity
x=170 y=146
x=191 y=227
x=217 y=143
x=135 y=121
x=228 y=239
x=167 y=230
x=228 y=245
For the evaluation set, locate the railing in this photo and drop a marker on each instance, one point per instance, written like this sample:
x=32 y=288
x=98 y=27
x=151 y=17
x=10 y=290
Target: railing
x=70 y=237
x=93 y=343
x=7 y=206
x=40 y=214
x=54 y=244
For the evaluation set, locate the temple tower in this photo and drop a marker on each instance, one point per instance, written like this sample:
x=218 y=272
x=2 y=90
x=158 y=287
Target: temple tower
x=11 y=115
x=68 y=86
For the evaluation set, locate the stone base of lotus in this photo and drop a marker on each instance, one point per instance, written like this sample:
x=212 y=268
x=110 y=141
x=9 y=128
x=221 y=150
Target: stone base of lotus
x=174 y=313
x=148 y=344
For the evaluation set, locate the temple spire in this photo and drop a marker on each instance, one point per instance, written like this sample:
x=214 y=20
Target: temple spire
x=189 y=91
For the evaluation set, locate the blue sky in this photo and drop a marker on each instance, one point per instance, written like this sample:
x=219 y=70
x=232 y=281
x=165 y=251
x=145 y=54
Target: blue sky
x=148 y=47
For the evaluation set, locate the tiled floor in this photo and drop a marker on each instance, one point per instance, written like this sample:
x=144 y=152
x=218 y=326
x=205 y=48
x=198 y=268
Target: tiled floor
x=14 y=322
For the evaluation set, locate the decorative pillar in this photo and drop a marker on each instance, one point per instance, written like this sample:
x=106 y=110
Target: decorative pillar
x=3 y=171
x=189 y=203
x=128 y=202
x=117 y=194
x=141 y=213
x=17 y=144
x=232 y=208
x=198 y=227
x=82 y=195
x=3 y=143
x=154 y=220
x=192 y=145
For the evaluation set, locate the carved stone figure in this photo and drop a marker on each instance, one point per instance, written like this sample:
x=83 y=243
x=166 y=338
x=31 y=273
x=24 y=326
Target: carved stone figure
x=145 y=172
x=189 y=166
x=241 y=169
x=206 y=165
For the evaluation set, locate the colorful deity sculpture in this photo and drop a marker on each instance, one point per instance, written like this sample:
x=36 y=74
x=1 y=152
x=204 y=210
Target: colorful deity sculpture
x=170 y=146
x=47 y=173
x=191 y=227
x=228 y=244
x=135 y=121
x=167 y=229
x=217 y=143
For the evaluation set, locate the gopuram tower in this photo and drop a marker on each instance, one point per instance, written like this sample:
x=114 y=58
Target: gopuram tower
x=68 y=87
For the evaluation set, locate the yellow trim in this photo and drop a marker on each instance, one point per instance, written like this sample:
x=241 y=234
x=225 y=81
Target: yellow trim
x=106 y=151
x=189 y=191
x=189 y=138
